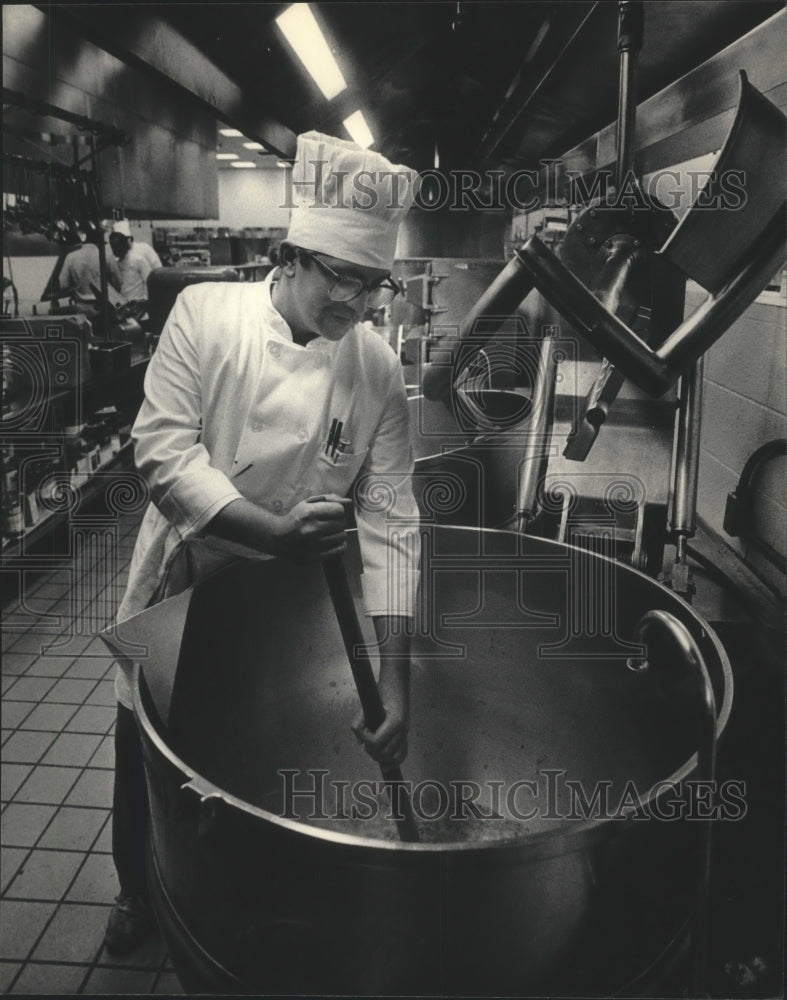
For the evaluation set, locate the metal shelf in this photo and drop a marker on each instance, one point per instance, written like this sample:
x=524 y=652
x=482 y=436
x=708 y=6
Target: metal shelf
x=95 y=392
x=14 y=548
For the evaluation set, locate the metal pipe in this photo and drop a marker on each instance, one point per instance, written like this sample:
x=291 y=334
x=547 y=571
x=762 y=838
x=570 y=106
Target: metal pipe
x=687 y=457
x=623 y=256
x=652 y=370
x=630 y=33
x=536 y=456
x=706 y=771
x=609 y=335
x=627 y=107
x=102 y=266
x=491 y=141
x=99 y=234
x=18 y=99
x=534 y=265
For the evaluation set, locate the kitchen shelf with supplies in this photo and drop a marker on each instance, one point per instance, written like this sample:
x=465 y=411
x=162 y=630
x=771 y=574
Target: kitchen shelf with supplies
x=51 y=518
x=67 y=412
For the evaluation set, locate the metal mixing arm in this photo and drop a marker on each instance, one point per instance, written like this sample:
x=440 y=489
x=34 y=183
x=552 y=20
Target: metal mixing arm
x=683 y=516
x=732 y=254
x=536 y=457
x=655 y=370
x=624 y=254
x=534 y=265
x=624 y=251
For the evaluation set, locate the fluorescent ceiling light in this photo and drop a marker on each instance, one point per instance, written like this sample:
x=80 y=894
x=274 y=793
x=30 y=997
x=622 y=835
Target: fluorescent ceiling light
x=231 y=133
x=358 y=129
x=301 y=30
x=226 y=156
x=253 y=145
x=244 y=164
x=282 y=163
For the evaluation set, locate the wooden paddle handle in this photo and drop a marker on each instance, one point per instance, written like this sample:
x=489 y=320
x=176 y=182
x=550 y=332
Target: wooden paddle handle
x=344 y=606
x=363 y=675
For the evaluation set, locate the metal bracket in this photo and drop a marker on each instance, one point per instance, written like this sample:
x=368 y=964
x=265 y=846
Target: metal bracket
x=751 y=247
x=209 y=800
x=423 y=284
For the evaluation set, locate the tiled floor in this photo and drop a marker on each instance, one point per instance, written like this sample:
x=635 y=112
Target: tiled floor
x=58 y=714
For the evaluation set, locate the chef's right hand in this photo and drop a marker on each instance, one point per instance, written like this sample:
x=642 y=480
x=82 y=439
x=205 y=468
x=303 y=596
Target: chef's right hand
x=313 y=530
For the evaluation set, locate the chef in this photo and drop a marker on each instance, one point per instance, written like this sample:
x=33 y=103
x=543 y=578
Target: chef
x=265 y=405
x=135 y=261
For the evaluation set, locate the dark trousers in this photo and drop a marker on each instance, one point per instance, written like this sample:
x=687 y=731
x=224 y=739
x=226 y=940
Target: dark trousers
x=129 y=807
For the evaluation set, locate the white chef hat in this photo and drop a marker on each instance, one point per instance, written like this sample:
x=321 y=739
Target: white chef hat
x=349 y=201
x=121 y=226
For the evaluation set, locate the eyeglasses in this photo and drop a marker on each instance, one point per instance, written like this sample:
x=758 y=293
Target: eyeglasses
x=345 y=288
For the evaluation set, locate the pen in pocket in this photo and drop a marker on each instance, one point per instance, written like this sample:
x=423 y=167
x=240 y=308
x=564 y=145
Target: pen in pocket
x=335 y=442
x=331 y=435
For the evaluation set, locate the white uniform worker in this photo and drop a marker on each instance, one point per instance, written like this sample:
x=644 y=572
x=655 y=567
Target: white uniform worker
x=135 y=261
x=259 y=397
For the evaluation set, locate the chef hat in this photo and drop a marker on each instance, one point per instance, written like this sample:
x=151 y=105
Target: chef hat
x=121 y=226
x=349 y=201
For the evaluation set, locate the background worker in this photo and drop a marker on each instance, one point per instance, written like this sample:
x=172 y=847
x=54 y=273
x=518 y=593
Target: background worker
x=259 y=398
x=81 y=275
x=135 y=261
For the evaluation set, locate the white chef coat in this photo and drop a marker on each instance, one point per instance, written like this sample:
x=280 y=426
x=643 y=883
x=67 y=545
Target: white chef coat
x=233 y=407
x=134 y=269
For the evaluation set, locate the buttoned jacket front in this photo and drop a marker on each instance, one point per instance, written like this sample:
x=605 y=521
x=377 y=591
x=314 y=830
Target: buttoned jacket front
x=233 y=407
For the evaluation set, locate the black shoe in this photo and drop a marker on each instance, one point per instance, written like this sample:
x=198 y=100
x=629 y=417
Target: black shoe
x=128 y=926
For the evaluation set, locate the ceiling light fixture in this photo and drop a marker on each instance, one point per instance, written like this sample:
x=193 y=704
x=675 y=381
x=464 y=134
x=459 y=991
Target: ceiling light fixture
x=299 y=27
x=358 y=129
x=244 y=164
x=282 y=163
x=226 y=156
x=253 y=145
x=231 y=133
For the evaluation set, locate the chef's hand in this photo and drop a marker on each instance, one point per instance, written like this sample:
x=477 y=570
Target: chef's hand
x=388 y=744
x=314 y=529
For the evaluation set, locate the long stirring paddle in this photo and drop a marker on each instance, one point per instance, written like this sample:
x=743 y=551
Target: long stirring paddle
x=344 y=607
x=363 y=675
